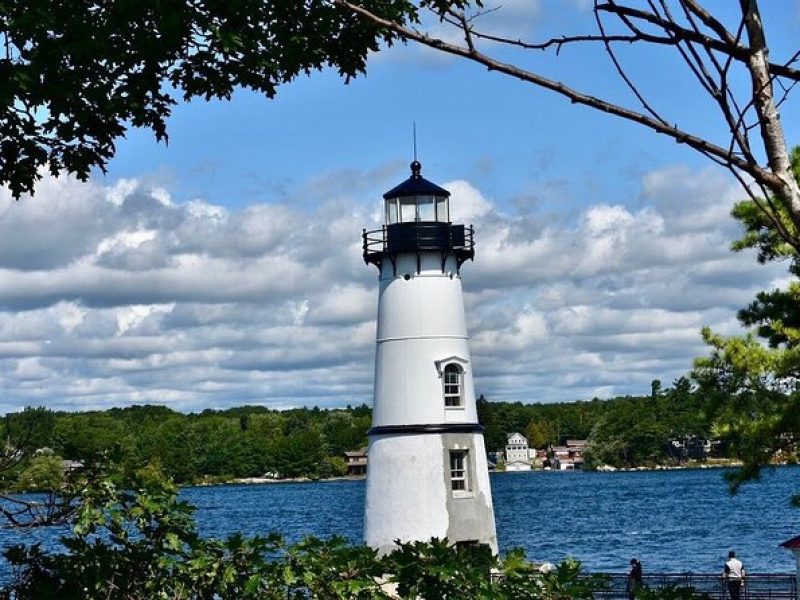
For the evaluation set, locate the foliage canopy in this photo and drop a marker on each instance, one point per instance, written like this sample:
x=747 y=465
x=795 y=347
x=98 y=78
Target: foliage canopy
x=753 y=381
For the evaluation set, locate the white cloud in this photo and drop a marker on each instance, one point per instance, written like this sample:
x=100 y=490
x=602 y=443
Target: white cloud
x=125 y=240
x=133 y=316
x=133 y=297
x=466 y=201
x=68 y=315
x=31 y=369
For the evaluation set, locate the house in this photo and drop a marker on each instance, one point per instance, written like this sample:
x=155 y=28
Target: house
x=569 y=456
x=68 y=466
x=517 y=453
x=694 y=447
x=356 y=462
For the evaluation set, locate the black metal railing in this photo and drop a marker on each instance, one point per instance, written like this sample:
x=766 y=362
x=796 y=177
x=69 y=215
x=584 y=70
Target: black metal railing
x=780 y=586
x=416 y=237
x=705 y=585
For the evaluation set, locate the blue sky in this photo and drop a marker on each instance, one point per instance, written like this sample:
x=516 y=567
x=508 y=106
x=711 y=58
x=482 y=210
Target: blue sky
x=501 y=133
x=224 y=268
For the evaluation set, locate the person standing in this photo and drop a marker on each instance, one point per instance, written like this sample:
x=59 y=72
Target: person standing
x=634 y=578
x=734 y=574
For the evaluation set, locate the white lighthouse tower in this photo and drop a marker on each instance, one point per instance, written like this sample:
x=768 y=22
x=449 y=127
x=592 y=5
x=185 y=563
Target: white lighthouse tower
x=427 y=474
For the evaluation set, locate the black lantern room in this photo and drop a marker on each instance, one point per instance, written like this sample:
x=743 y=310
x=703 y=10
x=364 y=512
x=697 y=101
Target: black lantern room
x=417 y=220
x=417 y=200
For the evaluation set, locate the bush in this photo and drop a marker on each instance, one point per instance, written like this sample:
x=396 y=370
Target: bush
x=43 y=473
x=144 y=545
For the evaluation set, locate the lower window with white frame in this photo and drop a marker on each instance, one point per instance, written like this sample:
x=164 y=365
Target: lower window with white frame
x=459 y=481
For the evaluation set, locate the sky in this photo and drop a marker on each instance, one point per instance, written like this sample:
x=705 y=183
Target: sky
x=225 y=267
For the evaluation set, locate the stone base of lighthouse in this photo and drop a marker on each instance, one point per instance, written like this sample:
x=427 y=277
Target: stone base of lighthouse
x=410 y=493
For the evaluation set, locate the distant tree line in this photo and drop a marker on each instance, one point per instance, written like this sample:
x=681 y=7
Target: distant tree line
x=213 y=445
x=252 y=441
x=625 y=431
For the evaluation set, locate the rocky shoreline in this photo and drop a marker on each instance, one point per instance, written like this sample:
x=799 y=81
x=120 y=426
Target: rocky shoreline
x=270 y=480
x=719 y=464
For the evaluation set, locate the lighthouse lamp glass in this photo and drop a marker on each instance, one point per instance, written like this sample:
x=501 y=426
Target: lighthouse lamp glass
x=409 y=209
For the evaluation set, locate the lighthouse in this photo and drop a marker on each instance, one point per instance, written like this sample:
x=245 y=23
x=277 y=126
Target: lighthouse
x=427 y=474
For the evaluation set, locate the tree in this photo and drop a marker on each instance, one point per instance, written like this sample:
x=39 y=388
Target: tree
x=655 y=389
x=628 y=434
x=540 y=434
x=720 y=51
x=30 y=429
x=75 y=75
x=753 y=381
x=299 y=454
x=44 y=472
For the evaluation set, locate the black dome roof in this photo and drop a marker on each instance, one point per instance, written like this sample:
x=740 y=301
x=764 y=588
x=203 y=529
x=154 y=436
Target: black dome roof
x=416 y=185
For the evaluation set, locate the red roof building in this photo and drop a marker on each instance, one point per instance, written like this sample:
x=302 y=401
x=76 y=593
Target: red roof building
x=792 y=544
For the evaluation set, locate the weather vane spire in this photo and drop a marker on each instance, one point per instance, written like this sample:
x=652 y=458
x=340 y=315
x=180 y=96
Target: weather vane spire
x=414 y=131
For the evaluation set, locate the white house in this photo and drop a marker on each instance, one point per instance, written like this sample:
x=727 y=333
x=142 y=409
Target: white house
x=517 y=453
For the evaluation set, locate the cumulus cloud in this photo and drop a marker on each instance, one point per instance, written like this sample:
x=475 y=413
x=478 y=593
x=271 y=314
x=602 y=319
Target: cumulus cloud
x=112 y=295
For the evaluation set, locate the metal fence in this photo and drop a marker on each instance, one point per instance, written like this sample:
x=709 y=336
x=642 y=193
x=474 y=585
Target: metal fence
x=709 y=586
x=704 y=585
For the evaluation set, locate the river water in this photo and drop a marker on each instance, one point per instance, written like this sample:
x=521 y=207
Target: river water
x=674 y=521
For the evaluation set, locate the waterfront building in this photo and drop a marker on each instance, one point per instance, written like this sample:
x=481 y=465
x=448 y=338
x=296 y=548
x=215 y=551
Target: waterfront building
x=427 y=473
x=356 y=462
x=517 y=453
x=570 y=456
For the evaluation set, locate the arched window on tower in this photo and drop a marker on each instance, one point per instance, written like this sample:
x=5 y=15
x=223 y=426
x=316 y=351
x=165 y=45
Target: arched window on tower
x=453 y=377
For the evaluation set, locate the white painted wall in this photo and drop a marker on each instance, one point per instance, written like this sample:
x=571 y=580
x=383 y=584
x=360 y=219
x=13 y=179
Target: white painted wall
x=518 y=466
x=406 y=490
x=421 y=322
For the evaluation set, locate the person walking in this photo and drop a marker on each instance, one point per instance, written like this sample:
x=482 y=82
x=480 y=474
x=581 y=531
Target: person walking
x=734 y=574
x=634 y=578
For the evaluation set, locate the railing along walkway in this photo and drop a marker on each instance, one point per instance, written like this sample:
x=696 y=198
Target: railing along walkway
x=757 y=586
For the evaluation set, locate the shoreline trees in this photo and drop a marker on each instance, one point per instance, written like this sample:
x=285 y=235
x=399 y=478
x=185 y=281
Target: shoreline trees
x=251 y=441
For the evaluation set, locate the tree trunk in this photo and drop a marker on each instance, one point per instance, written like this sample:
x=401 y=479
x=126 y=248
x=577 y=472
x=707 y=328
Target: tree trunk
x=764 y=103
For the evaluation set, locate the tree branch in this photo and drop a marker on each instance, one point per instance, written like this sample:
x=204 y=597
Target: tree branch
x=737 y=51
x=759 y=174
x=621 y=71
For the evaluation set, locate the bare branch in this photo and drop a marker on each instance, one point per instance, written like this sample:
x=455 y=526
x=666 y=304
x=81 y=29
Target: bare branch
x=720 y=91
x=759 y=174
x=730 y=47
x=697 y=66
x=737 y=51
x=794 y=58
x=621 y=71
x=463 y=23
x=566 y=40
x=710 y=22
x=56 y=508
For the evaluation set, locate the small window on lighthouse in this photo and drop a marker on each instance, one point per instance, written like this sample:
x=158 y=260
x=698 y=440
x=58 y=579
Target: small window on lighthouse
x=452 y=385
x=408 y=210
x=426 y=208
x=441 y=209
x=458 y=470
x=391 y=211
